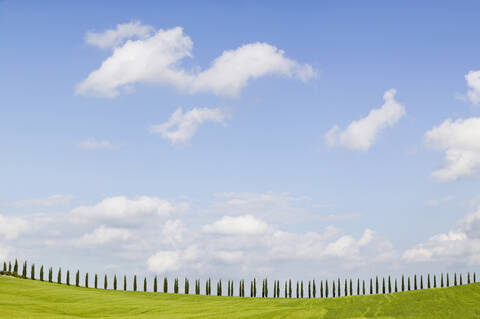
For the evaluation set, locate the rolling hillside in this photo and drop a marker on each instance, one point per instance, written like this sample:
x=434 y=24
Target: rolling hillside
x=20 y=298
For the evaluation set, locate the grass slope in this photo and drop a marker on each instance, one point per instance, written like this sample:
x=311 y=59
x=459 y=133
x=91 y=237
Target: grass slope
x=20 y=298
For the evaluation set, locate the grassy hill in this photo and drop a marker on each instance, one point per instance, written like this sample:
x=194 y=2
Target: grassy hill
x=20 y=298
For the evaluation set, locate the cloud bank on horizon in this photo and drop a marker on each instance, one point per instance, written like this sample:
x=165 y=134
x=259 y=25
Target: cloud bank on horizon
x=142 y=55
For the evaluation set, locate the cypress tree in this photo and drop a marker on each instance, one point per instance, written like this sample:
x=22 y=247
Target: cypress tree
x=96 y=281
x=165 y=285
x=206 y=288
x=301 y=289
x=254 y=287
x=125 y=282
x=358 y=286
x=10 y=266
x=434 y=281
x=68 y=278
x=448 y=280
x=363 y=286
x=389 y=285
x=15 y=267
x=455 y=279
x=371 y=286
x=403 y=283
x=461 y=283
x=59 y=276
x=376 y=285
x=155 y=284
x=134 y=282
x=77 y=278
x=351 y=287
x=298 y=290
x=24 y=270
x=266 y=288
x=441 y=280
x=321 y=288
x=114 y=282
x=338 y=287
x=5 y=266
x=408 y=283
x=32 y=272
x=251 y=288
x=421 y=282
x=309 y=289
x=383 y=285
x=326 y=288
x=333 y=289
x=414 y=282
x=145 y=284
x=175 y=286
x=468 y=278
x=41 y=273
x=345 y=288
x=286 y=290
x=290 y=288
x=428 y=281
x=314 y=289
x=474 y=277
x=86 y=280
x=396 y=290
x=50 y=275
x=105 y=282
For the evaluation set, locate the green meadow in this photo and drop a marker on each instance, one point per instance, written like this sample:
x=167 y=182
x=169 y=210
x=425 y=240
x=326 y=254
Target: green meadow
x=25 y=298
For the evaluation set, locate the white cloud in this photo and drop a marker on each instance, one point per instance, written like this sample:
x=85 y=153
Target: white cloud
x=12 y=227
x=173 y=231
x=164 y=261
x=156 y=59
x=4 y=252
x=461 y=245
x=54 y=200
x=122 y=208
x=360 y=135
x=460 y=141
x=114 y=37
x=94 y=144
x=103 y=235
x=473 y=81
x=241 y=225
x=186 y=124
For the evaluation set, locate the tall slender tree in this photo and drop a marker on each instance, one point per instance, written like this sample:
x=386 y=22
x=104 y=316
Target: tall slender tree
x=32 y=272
x=415 y=282
x=77 y=278
x=474 y=277
x=24 y=270
x=145 y=284
x=428 y=281
x=41 y=273
x=309 y=289
x=86 y=280
x=403 y=283
x=389 y=285
x=338 y=287
x=421 y=282
x=333 y=289
x=376 y=285
x=321 y=288
x=115 y=282
x=358 y=286
x=50 y=275
x=95 y=281
x=290 y=288
x=455 y=279
x=345 y=288
x=135 y=282
x=434 y=281
x=15 y=267
x=468 y=278
x=363 y=287
x=396 y=288
x=67 y=280
x=286 y=289
x=408 y=283
x=105 y=282
x=383 y=285
x=165 y=285
x=301 y=289
x=125 y=282
x=326 y=288
x=155 y=284
x=59 y=276
x=314 y=289
x=441 y=280
x=5 y=266
x=460 y=275
x=371 y=286
x=448 y=280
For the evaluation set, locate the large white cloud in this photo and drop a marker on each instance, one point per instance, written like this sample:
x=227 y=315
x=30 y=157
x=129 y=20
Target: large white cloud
x=186 y=124
x=240 y=225
x=12 y=227
x=361 y=134
x=156 y=59
x=473 y=82
x=459 y=140
x=458 y=246
x=130 y=210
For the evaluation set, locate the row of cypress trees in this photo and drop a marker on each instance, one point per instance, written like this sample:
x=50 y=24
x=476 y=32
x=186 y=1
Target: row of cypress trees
x=326 y=289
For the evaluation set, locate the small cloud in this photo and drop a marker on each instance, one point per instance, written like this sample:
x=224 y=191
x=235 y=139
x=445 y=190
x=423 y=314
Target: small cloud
x=473 y=82
x=104 y=235
x=185 y=125
x=115 y=37
x=94 y=144
x=12 y=227
x=361 y=134
x=438 y=202
x=241 y=225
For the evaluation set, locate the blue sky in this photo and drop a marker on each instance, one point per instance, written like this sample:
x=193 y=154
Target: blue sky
x=94 y=169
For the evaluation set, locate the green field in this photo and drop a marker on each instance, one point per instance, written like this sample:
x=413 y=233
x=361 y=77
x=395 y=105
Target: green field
x=24 y=298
